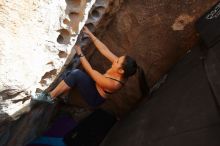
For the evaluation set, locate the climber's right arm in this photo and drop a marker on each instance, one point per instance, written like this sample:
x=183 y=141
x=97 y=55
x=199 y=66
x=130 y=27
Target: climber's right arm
x=100 y=46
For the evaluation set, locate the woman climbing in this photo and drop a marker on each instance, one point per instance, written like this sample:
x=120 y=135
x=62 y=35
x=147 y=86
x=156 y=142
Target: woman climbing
x=93 y=86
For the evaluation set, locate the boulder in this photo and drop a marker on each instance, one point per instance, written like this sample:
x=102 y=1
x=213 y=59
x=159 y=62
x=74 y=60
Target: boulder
x=36 y=44
x=155 y=33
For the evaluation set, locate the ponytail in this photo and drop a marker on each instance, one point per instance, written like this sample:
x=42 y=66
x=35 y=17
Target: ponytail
x=130 y=67
x=143 y=85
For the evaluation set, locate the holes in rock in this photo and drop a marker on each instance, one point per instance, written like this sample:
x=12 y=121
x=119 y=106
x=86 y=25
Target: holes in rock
x=60 y=39
x=38 y=90
x=85 y=38
x=91 y=27
x=64 y=37
x=62 y=54
x=43 y=82
x=97 y=12
x=49 y=74
x=66 y=21
x=50 y=63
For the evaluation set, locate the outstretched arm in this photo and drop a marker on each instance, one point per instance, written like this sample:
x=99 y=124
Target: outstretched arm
x=100 y=79
x=100 y=46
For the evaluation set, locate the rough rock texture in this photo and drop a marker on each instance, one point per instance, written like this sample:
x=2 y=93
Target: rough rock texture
x=58 y=34
x=156 y=33
x=36 y=41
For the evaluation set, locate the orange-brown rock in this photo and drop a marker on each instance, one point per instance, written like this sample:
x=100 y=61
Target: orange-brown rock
x=156 y=33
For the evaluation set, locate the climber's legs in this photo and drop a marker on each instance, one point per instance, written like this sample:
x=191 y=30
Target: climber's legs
x=62 y=87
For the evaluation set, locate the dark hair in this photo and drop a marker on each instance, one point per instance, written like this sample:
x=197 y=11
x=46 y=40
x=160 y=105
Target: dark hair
x=130 y=67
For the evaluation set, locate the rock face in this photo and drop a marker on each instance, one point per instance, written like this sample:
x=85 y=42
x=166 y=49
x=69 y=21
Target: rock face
x=156 y=33
x=36 y=46
x=183 y=111
x=36 y=39
x=36 y=42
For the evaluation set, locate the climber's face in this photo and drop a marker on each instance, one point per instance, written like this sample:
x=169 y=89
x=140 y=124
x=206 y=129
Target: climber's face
x=117 y=64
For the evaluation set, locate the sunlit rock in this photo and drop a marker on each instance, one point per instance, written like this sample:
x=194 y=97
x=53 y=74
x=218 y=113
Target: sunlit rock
x=36 y=44
x=36 y=39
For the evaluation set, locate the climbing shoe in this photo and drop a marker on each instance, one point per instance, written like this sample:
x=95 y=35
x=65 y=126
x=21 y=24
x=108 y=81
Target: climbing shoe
x=43 y=97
